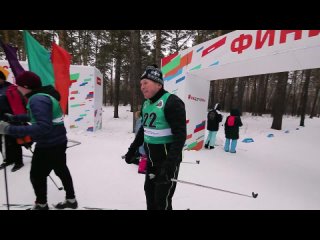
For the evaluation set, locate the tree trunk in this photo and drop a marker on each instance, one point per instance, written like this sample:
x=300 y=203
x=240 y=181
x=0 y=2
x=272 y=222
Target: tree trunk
x=135 y=68
x=270 y=96
x=97 y=46
x=158 y=48
x=223 y=95
x=231 y=92
x=316 y=97
x=304 y=97
x=241 y=88
x=111 y=90
x=80 y=48
x=117 y=84
x=279 y=99
x=253 y=105
x=104 y=92
x=75 y=57
x=312 y=114
x=62 y=38
x=262 y=95
x=85 y=48
x=126 y=96
x=294 y=92
x=211 y=100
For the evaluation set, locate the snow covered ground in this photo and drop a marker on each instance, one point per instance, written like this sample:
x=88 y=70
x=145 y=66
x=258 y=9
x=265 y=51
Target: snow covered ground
x=283 y=169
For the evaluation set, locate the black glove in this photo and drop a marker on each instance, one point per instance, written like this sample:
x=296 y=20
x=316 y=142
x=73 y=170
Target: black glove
x=8 y=117
x=166 y=173
x=130 y=155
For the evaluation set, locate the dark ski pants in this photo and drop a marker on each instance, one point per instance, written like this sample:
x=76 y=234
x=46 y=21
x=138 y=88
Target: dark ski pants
x=159 y=196
x=13 y=150
x=45 y=160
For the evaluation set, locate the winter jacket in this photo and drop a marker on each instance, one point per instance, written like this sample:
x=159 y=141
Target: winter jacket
x=232 y=132
x=44 y=132
x=4 y=104
x=214 y=117
x=175 y=115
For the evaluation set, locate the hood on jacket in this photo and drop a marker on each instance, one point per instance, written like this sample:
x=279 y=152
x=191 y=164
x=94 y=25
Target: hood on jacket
x=235 y=112
x=50 y=90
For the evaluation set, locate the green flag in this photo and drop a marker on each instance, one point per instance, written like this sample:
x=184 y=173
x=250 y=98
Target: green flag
x=39 y=59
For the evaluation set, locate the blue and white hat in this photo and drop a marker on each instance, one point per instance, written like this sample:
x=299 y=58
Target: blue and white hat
x=153 y=73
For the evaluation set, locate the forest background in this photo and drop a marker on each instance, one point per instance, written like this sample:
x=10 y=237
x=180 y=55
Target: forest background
x=122 y=55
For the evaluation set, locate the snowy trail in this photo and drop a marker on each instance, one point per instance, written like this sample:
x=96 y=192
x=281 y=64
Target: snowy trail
x=283 y=170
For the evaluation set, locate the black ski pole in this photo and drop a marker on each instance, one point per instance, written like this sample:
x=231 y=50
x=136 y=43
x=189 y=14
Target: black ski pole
x=254 y=195
x=196 y=162
x=3 y=147
x=76 y=143
x=59 y=188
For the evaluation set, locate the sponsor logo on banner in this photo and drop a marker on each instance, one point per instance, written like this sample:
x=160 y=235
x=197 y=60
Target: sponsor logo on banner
x=197 y=99
x=98 y=81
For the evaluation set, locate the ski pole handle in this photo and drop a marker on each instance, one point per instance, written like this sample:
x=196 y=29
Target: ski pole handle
x=24 y=140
